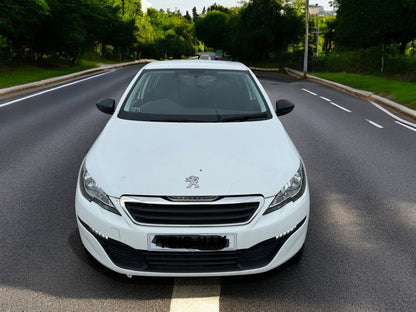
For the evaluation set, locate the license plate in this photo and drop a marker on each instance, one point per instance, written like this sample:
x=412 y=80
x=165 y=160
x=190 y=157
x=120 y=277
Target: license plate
x=184 y=242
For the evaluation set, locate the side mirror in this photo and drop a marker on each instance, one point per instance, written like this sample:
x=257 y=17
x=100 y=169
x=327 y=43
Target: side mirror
x=284 y=107
x=106 y=105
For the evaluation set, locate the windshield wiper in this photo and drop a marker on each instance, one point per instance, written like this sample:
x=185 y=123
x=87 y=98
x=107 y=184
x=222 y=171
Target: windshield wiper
x=245 y=117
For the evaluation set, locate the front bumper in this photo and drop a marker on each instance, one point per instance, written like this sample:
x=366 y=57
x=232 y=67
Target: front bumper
x=261 y=245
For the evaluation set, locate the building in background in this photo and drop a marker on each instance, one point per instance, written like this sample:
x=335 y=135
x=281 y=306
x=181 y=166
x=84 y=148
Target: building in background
x=319 y=10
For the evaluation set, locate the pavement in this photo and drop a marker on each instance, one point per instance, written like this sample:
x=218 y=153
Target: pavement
x=294 y=73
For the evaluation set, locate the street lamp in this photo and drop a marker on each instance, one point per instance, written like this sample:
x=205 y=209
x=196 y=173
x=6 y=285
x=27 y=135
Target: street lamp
x=305 y=57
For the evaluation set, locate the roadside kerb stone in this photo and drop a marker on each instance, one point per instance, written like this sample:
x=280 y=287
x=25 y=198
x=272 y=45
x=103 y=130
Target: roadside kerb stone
x=266 y=69
x=359 y=93
x=59 y=79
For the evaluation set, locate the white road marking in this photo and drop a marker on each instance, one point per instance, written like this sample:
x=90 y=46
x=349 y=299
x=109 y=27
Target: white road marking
x=393 y=116
x=310 y=92
x=408 y=127
x=196 y=295
x=50 y=90
x=325 y=99
x=340 y=107
x=374 y=124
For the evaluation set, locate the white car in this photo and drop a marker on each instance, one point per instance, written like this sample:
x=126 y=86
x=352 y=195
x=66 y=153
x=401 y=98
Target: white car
x=193 y=175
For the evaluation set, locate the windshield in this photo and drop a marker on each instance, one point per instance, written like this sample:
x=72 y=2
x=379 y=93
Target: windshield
x=189 y=95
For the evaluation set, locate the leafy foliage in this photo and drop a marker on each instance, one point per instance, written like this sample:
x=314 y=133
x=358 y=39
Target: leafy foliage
x=266 y=27
x=39 y=29
x=20 y=23
x=363 y=24
x=212 y=29
x=258 y=30
x=165 y=34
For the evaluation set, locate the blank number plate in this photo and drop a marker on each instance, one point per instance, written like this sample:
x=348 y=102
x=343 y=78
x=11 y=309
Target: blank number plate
x=185 y=242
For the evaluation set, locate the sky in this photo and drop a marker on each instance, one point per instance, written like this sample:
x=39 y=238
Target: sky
x=184 y=5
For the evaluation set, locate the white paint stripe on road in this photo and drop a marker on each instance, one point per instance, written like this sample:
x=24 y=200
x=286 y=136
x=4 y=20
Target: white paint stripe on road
x=52 y=89
x=393 y=116
x=340 y=107
x=310 y=92
x=325 y=99
x=374 y=124
x=404 y=125
x=196 y=295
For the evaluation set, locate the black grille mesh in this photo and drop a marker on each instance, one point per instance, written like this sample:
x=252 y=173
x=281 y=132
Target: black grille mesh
x=193 y=214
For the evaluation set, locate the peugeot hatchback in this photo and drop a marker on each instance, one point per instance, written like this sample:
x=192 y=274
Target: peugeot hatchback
x=193 y=175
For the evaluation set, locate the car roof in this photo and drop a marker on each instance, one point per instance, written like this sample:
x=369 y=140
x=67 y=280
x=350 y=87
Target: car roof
x=196 y=64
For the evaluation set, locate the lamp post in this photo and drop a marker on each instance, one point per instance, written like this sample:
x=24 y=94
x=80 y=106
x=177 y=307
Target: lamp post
x=305 y=57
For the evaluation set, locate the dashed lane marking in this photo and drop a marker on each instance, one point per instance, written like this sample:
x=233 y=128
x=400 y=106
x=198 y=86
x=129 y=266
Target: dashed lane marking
x=340 y=107
x=196 y=295
x=325 y=99
x=310 y=92
x=374 y=124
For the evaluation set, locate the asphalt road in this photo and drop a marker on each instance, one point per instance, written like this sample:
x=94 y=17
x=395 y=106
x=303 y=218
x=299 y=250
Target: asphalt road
x=360 y=251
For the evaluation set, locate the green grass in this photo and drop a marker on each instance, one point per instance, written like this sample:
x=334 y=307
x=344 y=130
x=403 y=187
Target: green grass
x=16 y=75
x=399 y=91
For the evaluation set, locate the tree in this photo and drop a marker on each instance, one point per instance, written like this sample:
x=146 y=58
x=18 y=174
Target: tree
x=165 y=34
x=267 y=26
x=328 y=28
x=216 y=7
x=20 y=24
x=129 y=9
x=56 y=29
x=195 y=14
x=212 y=29
x=334 y=4
x=188 y=16
x=364 y=24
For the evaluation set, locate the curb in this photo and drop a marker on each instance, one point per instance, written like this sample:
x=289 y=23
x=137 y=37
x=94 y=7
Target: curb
x=55 y=80
x=359 y=93
x=265 y=69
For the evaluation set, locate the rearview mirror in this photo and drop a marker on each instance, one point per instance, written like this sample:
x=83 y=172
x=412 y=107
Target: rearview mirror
x=106 y=105
x=284 y=107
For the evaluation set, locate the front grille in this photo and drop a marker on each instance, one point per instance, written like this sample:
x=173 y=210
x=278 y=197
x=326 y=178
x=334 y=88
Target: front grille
x=129 y=258
x=191 y=214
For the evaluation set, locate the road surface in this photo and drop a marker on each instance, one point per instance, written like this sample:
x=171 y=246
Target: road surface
x=360 y=250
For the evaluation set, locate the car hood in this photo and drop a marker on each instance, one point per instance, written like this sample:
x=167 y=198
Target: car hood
x=156 y=158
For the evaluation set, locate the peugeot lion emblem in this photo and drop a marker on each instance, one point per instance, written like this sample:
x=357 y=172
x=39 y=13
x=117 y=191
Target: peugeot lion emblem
x=193 y=181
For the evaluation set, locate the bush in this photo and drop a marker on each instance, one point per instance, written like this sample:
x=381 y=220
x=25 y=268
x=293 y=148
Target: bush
x=291 y=59
x=6 y=55
x=368 y=61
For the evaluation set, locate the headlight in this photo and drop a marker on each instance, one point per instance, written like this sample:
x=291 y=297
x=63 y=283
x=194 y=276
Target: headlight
x=290 y=192
x=93 y=192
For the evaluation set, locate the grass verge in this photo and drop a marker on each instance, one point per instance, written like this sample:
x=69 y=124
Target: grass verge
x=16 y=75
x=399 y=91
